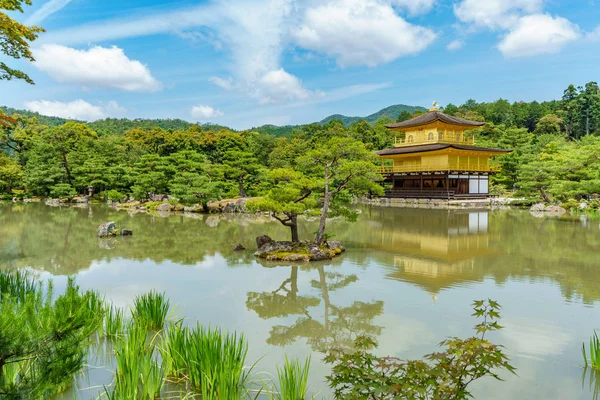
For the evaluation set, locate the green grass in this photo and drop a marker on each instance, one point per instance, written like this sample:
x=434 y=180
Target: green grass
x=114 y=321
x=150 y=310
x=592 y=358
x=138 y=375
x=173 y=350
x=292 y=379
x=216 y=363
x=212 y=361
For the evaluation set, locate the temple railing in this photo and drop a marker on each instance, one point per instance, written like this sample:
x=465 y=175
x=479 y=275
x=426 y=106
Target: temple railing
x=439 y=167
x=400 y=142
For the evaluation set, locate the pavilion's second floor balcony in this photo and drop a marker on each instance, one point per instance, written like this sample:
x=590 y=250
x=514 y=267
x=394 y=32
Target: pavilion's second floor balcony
x=442 y=167
x=410 y=140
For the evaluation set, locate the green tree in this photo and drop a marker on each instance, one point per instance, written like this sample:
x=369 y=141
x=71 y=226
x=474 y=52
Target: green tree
x=44 y=338
x=11 y=174
x=193 y=183
x=549 y=124
x=404 y=116
x=62 y=191
x=15 y=38
x=588 y=102
x=152 y=174
x=346 y=168
x=569 y=110
x=290 y=197
x=450 y=109
x=519 y=141
x=286 y=151
x=240 y=166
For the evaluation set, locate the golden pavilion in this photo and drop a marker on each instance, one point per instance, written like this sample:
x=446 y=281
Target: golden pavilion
x=436 y=157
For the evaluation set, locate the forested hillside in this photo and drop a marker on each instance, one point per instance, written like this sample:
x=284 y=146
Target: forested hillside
x=389 y=112
x=556 y=151
x=120 y=125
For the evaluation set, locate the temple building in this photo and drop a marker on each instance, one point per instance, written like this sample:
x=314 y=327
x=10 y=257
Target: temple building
x=436 y=157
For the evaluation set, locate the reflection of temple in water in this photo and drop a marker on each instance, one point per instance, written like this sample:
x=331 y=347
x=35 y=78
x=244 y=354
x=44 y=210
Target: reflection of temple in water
x=434 y=249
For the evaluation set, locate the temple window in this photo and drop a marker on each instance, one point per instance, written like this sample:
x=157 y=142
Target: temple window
x=410 y=139
x=441 y=136
x=430 y=136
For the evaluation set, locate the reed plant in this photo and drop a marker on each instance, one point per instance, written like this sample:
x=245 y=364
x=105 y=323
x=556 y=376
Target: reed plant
x=216 y=363
x=173 y=350
x=292 y=380
x=114 y=320
x=138 y=375
x=213 y=361
x=592 y=358
x=151 y=310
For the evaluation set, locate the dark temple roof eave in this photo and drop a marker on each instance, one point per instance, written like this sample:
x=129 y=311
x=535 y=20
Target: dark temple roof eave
x=432 y=116
x=437 y=146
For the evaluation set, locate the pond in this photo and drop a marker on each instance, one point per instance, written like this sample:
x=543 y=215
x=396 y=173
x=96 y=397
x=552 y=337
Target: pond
x=408 y=278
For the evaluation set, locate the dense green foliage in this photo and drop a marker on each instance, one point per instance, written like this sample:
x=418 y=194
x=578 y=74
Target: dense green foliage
x=556 y=148
x=43 y=340
x=15 y=39
x=443 y=375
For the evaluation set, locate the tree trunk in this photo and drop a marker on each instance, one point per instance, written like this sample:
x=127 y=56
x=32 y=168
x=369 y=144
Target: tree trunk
x=294 y=283
x=324 y=210
x=66 y=165
x=544 y=195
x=241 y=186
x=325 y=294
x=293 y=224
x=587 y=121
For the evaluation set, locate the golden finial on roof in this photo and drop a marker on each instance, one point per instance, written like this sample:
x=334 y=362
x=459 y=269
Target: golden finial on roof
x=435 y=106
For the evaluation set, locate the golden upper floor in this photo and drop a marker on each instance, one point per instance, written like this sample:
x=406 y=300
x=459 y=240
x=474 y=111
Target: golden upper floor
x=434 y=127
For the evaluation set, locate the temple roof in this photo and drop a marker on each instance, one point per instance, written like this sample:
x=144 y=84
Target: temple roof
x=434 y=147
x=433 y=116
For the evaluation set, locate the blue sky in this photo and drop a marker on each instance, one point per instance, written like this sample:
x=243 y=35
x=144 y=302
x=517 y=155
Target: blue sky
x=245 y=63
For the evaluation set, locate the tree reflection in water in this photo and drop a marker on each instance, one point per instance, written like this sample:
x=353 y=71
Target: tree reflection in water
x=337 y=328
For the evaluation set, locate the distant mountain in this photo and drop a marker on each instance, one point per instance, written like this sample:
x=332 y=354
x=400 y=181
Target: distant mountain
x=115 y=125
x=120 y=125
x=43 y=119
x=391 y=112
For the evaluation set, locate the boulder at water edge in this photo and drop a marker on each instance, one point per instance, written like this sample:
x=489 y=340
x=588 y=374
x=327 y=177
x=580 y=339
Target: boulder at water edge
x=262 y=240
x=107 y=229
x=296 y=251
x=165 y=207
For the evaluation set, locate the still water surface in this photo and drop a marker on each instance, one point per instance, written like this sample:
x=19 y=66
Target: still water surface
x=408 y=277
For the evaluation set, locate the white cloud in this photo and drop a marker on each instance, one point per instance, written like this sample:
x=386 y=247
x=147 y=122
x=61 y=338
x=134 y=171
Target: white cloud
x=538 y=34
x=594 y=35
x=278 y=86
x=456 y=44
x=415 y=7
x=45 y=11
x=495 y=13
x=107 y=67
x=255 y=32
x=77 y=109
x=226 y=84
x=203 y=112
x=360 y=32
